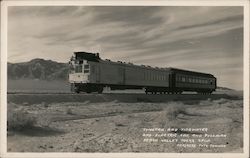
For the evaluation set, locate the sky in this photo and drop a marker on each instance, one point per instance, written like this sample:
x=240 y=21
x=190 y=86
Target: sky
x=205 y=39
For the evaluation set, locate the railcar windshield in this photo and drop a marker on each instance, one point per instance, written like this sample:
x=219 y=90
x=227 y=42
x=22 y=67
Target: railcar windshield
x=78 y=65
x=78 y=68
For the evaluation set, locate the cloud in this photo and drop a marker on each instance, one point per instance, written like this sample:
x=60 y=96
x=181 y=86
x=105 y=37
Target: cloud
x=127 y=15
x=234 y=19
x=207 y=39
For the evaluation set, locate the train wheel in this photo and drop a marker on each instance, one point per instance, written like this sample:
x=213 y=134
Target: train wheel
x=100 y=90
x=77 y=90
x=88 y=90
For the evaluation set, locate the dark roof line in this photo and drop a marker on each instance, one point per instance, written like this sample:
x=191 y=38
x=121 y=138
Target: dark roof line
x=95 y=57
x=188 y=71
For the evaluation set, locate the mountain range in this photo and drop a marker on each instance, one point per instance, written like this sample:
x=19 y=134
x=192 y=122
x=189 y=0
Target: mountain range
x=38 y=69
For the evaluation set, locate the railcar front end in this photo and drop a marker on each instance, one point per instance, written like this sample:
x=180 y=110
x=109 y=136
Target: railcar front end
x=80 y=76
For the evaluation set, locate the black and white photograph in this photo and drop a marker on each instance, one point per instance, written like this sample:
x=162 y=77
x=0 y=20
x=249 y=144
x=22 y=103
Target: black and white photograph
x=123 y=78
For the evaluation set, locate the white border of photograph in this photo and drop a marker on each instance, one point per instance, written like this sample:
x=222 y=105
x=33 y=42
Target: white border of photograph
x=4 y=9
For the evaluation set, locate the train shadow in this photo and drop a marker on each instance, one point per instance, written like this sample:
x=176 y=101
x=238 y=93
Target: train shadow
x=35 y=131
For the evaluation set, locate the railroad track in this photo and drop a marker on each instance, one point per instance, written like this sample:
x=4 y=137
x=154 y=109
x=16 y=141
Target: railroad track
x=40 y=93
x=109 y=93
x=48 y=98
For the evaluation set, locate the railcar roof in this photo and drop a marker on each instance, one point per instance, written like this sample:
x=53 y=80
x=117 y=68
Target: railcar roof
x=87 y=56
x=190 y=72
x=95 y=58
x=159 y=68
x=133 y=65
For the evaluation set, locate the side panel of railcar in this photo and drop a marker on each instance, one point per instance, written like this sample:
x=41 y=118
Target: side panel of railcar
x=194 y=81
x=134 y=75
x=106 y=73
x=123 y=74
x=142 y=76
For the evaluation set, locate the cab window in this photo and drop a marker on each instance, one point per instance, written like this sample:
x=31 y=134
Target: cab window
x=86 y=68
x=86 y=71
x=78 y=68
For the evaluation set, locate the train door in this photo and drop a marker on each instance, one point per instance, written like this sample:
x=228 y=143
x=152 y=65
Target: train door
x=172 y=80
x=121 y=72
x=123 y=75
x=98 y=75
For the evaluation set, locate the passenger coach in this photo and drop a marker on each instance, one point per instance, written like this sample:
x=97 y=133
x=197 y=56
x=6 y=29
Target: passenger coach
x=89 y=73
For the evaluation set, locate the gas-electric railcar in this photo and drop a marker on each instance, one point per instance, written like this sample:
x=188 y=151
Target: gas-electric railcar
x=89 y=73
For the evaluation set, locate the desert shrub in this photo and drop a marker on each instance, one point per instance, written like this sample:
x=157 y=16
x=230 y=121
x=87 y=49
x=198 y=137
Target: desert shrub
x=18 y=119
x=44 y=104
x=173 y=112
x=221 y=101
x=120 y=124
x=191 y=102
x=69 y=111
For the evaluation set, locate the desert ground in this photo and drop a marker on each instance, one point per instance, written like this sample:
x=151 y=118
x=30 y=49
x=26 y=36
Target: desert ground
x=125 y=122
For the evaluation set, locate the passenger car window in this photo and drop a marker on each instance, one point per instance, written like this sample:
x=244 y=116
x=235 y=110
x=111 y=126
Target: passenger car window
x=183 y=79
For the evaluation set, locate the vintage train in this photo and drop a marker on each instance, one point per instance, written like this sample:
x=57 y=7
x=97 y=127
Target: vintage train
x=89 y=73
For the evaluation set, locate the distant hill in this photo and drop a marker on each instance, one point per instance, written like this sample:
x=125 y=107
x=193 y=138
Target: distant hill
x=224 y=88
x=38 y=69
